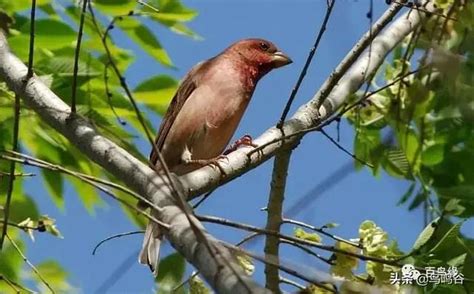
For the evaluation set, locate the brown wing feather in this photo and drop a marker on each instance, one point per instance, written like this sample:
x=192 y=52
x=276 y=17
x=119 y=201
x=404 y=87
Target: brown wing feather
x=187 y=86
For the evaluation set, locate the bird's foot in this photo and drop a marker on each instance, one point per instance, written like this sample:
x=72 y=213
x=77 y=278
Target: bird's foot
x=246 y=140
x=213 y=161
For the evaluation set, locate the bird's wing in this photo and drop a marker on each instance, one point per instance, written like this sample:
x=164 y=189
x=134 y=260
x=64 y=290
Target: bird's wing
x=185 y=89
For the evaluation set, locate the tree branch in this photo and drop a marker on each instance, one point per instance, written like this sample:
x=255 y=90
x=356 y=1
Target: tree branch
x=137 y=175
x=140 y=178
x=310 y=115
x=275 y=219
x=33 y=268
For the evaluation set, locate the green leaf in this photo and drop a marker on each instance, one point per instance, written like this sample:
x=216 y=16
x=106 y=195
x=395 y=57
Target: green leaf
x=448 y=241
x=29 y=226
x=448 y=288
x=421 y=196
x=433 y=155
x=145 y=38
x=49 y=224
x=54 y=185
x=407 y=194
x=156 y=92
x=302 y=234
x=181 y=28
x=171 y=272
x=116 y=7
x=136 y=218
x=366 y=147
x=464 y=192
x=246 y=263
x=425 y=235
x=408 y=142
x=88 y=194
x=458 y=260
x=468 y=272
x=54 y=274
x=22 y=206
x=330 y=225
x=396 y=163
x=50 y=34
x=171 y=10
x=373 y=239
x=453 y=207
x=197 y=286
x=48 y=9
x=19 y=5
x=63 y=66
x=10 y=260
x=343 y=263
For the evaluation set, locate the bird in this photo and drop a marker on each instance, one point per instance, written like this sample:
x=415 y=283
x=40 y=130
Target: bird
x=204 y=114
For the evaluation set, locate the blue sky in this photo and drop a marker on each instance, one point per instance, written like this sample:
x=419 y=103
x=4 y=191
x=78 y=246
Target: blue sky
x=292 y=25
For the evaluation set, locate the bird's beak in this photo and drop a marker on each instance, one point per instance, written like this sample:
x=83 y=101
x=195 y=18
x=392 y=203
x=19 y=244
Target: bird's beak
x=280 y=59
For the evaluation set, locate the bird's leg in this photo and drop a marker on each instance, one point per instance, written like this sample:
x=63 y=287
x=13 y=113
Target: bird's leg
x=246 y=140
x=213 y=161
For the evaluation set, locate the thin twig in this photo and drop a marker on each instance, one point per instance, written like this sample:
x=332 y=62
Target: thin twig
x=11 y=284
x=32 y=40
x=3 y=174
x=33 y=161
x=345 y=170
x=23 y=227
x=340 y=147
x=321 y=231
x=419 y=8
x=15 y=286
x=11 y=179
x=244 y=240
x=355 y=53
x=16 y=123
x=308 y=251
x=92 y=183
x=109 y=94
x=148 y=5
x=271 y=262
x=248 y=238
x=114 y=237
x=250 y=228
x=76 y=56
x=25 y=259
x=333 y=118
x=284 y=280
x=302 y=75
x=204 y=198
x=444 y=26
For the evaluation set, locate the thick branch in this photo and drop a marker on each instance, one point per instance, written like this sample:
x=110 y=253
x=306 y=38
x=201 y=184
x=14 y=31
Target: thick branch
x=242 y=160
x=144 y=181
x=274 y=217
x=130 y=170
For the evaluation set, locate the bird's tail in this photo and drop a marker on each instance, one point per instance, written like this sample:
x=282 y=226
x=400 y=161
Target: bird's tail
x=150 y=252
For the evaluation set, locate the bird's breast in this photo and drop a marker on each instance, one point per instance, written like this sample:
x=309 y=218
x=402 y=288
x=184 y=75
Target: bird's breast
x=222 y=115
x=208 y=119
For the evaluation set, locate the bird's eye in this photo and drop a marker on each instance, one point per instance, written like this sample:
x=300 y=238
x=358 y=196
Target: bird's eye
x=264 y=46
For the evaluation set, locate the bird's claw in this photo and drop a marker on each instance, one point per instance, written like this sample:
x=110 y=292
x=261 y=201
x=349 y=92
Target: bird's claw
x=213 y=162
x=246 y=140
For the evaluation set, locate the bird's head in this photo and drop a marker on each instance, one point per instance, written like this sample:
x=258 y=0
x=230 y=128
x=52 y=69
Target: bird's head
x=260 y=54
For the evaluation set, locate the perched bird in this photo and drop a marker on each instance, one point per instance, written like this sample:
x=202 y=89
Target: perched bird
x=205 y=113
